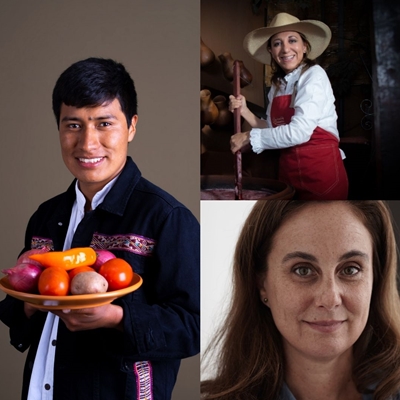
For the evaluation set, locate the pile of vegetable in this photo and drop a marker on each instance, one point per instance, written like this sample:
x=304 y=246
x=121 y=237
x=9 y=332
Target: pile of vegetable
x=80 y=270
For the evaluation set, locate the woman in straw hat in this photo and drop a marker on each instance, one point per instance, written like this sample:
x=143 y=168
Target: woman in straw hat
x=301 y=116
x=315 y=310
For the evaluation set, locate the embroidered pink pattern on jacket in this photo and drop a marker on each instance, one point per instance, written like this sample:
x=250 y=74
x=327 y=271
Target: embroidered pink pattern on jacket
x=128 y=242
x=144 y=380
x=39 y=242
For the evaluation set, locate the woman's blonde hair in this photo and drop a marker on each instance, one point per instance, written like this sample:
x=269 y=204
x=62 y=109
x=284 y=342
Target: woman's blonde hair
x=250 y=362
x=278 y=73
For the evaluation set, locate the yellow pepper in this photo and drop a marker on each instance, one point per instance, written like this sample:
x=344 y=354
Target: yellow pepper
x=67 y=259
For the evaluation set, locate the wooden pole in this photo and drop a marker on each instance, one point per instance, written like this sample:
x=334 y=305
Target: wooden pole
x=237 y=129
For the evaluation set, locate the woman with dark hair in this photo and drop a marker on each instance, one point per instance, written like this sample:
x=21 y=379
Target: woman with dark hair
x=301 y=116
x=315 y=310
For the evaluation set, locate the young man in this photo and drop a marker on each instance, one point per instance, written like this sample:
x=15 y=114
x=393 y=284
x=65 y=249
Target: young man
x=130 y=349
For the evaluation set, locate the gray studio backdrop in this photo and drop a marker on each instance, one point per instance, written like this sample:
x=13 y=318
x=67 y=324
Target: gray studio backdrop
x=158 y=42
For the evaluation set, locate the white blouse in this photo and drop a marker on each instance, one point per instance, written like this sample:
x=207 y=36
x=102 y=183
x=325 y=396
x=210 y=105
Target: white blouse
x=313 y=106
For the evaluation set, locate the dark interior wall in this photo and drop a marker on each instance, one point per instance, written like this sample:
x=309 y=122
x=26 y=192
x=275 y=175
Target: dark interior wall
x=386 y=38
x=158 y=43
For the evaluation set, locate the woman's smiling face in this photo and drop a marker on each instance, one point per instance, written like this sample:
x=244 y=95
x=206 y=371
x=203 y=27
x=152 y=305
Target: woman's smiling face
x=287 y=49
x=319 y=280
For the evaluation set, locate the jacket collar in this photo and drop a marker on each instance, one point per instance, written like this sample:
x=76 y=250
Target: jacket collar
x=116 y=200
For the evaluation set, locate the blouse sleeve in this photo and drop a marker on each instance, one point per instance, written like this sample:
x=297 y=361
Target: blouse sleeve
x=313 y=100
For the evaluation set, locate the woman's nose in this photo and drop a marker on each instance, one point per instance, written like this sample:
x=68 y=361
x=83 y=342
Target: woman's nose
x=328 y=295
x=285 y=47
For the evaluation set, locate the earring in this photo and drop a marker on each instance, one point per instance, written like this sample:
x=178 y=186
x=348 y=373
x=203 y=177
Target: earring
x=265 y=300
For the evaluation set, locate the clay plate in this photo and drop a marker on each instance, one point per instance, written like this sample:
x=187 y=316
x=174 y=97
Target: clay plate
x=71 y=302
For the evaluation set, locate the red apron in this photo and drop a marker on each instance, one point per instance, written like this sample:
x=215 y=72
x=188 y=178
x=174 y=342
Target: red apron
x=315 y=168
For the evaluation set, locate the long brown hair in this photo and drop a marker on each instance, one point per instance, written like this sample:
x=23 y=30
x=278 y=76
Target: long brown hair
x=278 y=73
x=250 y=362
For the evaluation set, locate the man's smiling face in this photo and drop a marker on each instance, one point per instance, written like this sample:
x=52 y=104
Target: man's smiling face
x=94 y=143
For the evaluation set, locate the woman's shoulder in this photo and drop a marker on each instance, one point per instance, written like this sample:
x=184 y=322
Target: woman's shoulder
x=315 y=71
x=314 y=74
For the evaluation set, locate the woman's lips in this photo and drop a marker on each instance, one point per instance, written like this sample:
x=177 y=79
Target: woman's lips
x=287 y=58
x=325 y=326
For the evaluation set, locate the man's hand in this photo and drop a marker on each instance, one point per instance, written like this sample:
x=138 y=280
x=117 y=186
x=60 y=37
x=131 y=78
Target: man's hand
x=107 y=316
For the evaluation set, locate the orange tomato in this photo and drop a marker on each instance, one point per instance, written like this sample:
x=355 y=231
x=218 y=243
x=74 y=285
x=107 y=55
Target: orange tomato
x=77 y=270
x=54 y=281
x=117 y=272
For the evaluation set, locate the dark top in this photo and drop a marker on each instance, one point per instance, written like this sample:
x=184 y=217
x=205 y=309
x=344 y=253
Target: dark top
x=159 y=237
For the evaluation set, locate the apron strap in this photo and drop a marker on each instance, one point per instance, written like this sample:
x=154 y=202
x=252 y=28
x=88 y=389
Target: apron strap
x=294 y=94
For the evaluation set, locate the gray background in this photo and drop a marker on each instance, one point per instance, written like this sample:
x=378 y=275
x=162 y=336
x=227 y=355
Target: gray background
x=158 y=42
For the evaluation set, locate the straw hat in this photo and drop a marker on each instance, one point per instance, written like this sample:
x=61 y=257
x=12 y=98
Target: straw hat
x=317 y=33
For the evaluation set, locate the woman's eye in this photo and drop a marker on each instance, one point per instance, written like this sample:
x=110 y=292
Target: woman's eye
x=351 y=270
x=276 y=44
x=303 y=271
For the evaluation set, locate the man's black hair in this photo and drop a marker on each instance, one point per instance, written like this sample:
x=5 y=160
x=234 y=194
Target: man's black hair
x=93 y=82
